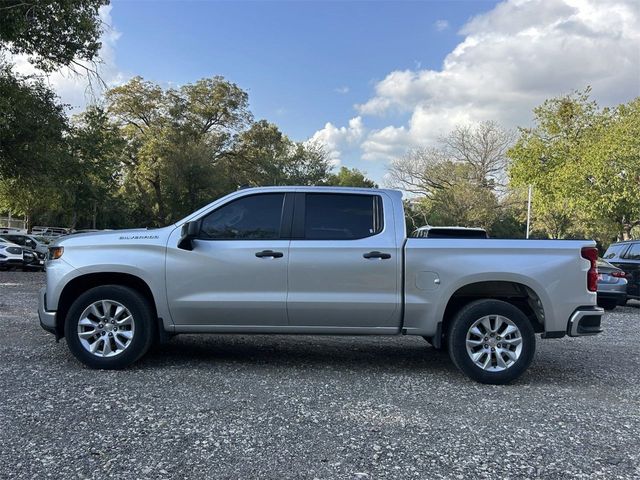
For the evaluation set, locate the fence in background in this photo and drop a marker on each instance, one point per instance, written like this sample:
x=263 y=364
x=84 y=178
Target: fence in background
x=11 y=222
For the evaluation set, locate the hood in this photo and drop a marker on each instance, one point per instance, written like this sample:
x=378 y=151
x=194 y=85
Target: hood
x=137 y=236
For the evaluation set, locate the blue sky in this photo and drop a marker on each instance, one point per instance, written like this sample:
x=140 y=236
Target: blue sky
x=303 y=63
x=372 y=80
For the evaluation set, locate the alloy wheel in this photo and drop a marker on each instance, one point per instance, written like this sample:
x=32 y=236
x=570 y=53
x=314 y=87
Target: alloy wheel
x=494 y=343
x=106 y=328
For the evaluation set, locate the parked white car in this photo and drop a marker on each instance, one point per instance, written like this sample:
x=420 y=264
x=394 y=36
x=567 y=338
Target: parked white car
x=11 y=255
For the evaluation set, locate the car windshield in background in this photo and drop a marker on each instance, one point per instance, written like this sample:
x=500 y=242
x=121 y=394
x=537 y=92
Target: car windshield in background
x=633 y=253
x=614 y=250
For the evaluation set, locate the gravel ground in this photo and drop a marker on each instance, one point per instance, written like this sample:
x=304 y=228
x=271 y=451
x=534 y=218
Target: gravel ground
x=224 y=406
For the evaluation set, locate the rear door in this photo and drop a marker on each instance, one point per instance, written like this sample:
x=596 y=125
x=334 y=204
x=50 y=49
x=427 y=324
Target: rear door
x=344 y=263
x=236 y=273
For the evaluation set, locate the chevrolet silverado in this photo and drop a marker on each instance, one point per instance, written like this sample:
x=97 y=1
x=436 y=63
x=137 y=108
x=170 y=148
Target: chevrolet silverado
x=317 y=260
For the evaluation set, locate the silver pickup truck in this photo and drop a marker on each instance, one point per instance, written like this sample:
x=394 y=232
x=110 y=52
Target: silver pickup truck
x=317 y=260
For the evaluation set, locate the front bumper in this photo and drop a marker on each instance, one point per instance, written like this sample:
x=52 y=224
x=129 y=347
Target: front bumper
x=47 y=318
x=585 y=321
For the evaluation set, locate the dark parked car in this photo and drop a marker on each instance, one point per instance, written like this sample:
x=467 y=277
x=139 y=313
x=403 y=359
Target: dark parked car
x=33 y=260
x=612 y=286
x=626 y=255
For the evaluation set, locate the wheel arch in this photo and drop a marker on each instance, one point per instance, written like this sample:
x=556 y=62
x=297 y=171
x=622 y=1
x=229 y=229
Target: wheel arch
x=513 y=292
x=82 y=283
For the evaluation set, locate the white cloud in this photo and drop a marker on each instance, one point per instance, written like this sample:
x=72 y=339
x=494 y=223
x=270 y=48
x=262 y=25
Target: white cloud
x=511 y=59
x=342 y=90
x=441 y=25
x=338 y=139
x=385 y=143
x=74 y=89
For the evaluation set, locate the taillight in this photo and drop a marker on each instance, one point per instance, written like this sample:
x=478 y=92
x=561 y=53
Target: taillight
x=618 y=274
x=591 y=254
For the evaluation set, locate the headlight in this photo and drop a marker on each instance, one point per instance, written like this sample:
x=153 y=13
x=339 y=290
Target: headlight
x=55 y=252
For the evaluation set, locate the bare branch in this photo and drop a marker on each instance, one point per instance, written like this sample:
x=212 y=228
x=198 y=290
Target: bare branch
x=484 y=148
x=420 y=171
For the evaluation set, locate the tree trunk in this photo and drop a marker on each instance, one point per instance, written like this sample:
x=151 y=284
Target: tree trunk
x=159 y=203
x=95 y=214
x=74 y=219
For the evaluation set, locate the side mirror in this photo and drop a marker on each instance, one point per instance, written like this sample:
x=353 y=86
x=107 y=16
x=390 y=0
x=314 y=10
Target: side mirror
x=190 y=230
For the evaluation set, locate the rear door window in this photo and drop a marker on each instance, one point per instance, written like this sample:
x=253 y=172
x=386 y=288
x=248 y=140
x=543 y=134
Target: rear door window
x=339 y=216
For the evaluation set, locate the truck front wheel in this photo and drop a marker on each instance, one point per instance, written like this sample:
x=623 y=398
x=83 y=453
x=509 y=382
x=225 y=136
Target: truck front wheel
x=491 y=341
x=109 y=327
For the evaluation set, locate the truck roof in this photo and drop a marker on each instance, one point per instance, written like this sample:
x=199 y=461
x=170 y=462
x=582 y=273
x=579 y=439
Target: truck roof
x=329 y=188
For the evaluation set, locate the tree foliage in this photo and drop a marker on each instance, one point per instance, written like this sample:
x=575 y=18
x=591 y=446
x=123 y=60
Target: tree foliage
x=95 y=150
x=32 y=143
x=584 y=165
x=350 y=177
x=54 y=33
x=175 y=138
x=263 y=155
x=32 y=124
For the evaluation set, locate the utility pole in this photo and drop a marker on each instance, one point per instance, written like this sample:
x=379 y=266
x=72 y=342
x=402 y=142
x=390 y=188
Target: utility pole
x=529 y=209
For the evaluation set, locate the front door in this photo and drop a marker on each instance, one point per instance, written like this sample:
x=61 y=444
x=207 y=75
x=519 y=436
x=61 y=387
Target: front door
x=236 y=273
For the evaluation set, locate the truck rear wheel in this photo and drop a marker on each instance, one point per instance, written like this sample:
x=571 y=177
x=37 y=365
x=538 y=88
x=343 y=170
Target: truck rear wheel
x=491 y=341
x=109 y=327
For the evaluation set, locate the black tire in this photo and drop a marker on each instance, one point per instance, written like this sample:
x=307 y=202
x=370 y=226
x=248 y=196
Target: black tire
x=608 y=304
x=463 y=321
x=142 y=317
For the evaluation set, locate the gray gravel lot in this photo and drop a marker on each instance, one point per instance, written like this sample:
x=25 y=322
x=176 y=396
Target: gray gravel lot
x=223 y=406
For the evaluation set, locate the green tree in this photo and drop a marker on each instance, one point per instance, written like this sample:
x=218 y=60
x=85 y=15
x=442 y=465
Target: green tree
x=55 y=33
x=32 y=125
x=175 y=141
x=546 y=157
x=611 y=199
x=32 y=144
x=464 y=203
x=583 y=163
x=263 y=155
x=92 y=182
x=350 y=177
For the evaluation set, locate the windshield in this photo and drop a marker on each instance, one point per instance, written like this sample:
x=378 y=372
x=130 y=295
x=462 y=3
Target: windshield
x=614 y=250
